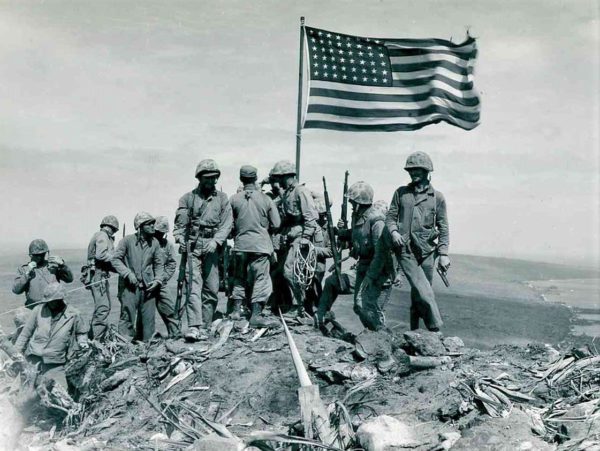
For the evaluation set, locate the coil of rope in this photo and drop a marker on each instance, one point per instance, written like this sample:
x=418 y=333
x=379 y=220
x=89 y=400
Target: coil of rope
x=305 y=264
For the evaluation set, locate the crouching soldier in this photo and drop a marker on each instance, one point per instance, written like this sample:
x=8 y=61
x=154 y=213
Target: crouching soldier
x=418 y=224
x=33 y=278
x=52 y=333
x=254 y=214
x=139 y=261
x=99 y=255
x=165 y=303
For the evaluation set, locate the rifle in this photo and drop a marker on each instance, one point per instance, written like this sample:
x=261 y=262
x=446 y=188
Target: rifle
x=185 y=264
x=342 y=244
x=226 y=269
x=336 y=256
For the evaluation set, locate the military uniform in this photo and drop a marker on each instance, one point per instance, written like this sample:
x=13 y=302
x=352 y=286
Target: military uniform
x=34 y=282
x=165 y=304
x=254 y=215
x=99 y=254
x=211 y=219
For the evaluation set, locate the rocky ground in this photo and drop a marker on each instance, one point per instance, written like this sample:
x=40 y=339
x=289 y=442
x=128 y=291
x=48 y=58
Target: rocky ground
x=383 y=390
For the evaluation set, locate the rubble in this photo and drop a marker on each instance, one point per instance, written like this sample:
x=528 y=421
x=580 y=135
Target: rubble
x=385 y=433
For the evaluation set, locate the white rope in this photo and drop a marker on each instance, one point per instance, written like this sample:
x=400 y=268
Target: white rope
x=305 y=266
x=69 y=291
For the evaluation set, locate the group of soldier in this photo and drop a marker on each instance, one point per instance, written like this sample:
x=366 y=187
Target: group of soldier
x=280 y=248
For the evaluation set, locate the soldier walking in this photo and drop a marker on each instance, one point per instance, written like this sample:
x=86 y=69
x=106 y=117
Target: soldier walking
x=255 y=215
x=33 y=278
x=140 y=262
x=299 y=225
x=204 y=215
x=418 y=223
x=165 y=303
x=99 y=254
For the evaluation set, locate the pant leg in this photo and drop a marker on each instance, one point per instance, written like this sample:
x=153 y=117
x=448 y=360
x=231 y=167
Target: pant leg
x=259 y=279
x=193 y=308
x=210 y=288
x=147 y=315
x=332 y=289
x=240 y=276
x=288 y=272
x=165 y=304
x=102 y=305
x=128 y=317
x=422 y=296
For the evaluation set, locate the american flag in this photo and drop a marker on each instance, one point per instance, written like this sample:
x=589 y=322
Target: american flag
x=368 y=84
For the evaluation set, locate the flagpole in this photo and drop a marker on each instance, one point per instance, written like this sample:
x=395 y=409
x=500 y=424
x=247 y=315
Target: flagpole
x=299 y=119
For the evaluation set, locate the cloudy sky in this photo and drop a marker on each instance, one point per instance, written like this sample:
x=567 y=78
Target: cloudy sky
x=106 y=107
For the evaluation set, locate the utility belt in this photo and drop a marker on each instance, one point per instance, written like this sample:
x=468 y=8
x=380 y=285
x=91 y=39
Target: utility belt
x=206 y=232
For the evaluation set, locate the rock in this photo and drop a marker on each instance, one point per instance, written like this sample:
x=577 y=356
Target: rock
x=448 y=439
x=214 y=442
x=115 y=380
x=384 y=433
x=339 y=372
x=373 y=345
x=579 y=430
x=424 y=363
x=425 y=343
x=453 y=345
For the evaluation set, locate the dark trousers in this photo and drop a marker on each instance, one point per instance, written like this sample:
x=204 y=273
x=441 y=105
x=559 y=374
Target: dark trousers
x=137 y=314
x=165 y=305
x=102 y=304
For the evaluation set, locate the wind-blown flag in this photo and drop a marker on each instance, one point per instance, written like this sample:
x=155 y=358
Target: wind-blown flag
x=369 y=84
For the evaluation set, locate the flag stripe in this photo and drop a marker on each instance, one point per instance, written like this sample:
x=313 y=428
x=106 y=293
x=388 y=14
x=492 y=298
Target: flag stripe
x=376 y=113
x=369 y=128
x=431 y=57
x=424 y=81
x=394 y=52
x=433 y=93
x=426 y=73
x=388 y=105
x=432 y=65
x=387 y=124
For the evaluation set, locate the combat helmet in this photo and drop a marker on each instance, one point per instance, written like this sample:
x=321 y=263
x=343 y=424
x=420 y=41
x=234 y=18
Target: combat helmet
x=110 y=220
x=54 y=291
x=419 y=160
x=361 y=193
x=142 y=218
x=283 y=167
x=38 y=246
x=207 y=167
x=162 y=224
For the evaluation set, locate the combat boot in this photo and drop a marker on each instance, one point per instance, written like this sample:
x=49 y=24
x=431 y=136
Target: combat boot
x=258 y=321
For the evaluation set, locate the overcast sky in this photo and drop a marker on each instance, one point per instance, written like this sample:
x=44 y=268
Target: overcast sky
x=106 y=108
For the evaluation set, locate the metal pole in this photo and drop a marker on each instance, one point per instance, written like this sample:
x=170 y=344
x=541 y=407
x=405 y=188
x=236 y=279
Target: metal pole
x=299 y=121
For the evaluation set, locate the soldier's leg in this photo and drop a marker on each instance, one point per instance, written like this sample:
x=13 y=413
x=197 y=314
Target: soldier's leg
x=129 y=307
x=193 y=308
x=165 y=304
x=260 y=280
x=148 y=317
x=102 y=305
x=288 y=272
x=422 y=297
x=432 y=318
x=332 y=289
x=210 y=289
x=238 y=293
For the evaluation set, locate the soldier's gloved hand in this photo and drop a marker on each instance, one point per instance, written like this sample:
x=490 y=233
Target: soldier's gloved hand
x=56 y=260
x=30 y=267
x=397 y=239
x=341 y=225
x=444 y=262
x=211 y=247
x=132 y=279
x=182 y=248
x=153 y=286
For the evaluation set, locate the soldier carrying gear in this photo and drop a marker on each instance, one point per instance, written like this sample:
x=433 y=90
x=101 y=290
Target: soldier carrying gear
x=50 y=332
x=140 y=262
x=418 y=224
x=33 y=277
x=165 y=304
x=255 y=215
x=366 y=229
x=99 y=254
x=207 y=212
x=299 y=225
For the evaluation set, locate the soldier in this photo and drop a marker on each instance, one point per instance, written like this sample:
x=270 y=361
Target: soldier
x=99 y=255
x=254 y=214
x=165 y=304
x=35 y=276
x=140 y=262
x=51 y=333
x=299 y=225
x=367 y=225
x=207 y=214
x=416 y=219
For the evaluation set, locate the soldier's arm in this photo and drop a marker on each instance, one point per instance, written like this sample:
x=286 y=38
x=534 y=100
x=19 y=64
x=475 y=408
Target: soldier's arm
x=225 y=223
x=158 y=263
x=118 y=260
x=326 y=250
x=64 y=273
x=181 y=219
x=170 y=263
x=81 y=330
x=391 y=218
x=309 y=214
x=442 y=225
x=377 y=229
x=103 y=252
x=27 y=332
x=274 y=218
x=21 y=282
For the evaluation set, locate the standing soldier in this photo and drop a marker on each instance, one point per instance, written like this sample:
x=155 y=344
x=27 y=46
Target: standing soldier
x=366 y=229
x=254 y=214
x=139 y=261
x=416 y=219
x=299 y=225
x=34 y=277
x=165 y=304
x=204 y=215
x=99 y=254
